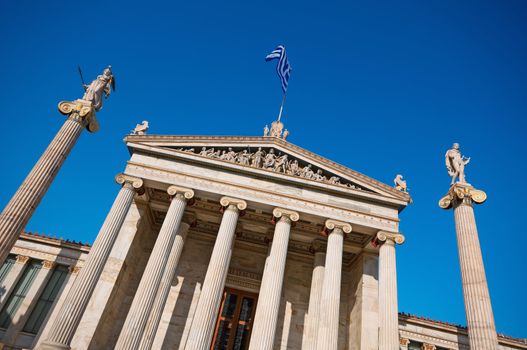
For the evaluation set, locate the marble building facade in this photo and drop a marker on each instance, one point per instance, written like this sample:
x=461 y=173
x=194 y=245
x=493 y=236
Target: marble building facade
x=223 y=247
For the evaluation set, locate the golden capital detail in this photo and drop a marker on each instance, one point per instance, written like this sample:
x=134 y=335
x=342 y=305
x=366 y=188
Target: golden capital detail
x=290 y=214
x=395 y=237
x=80 y=109
x=46 y=264
x=334 y=224
x=464 y=194
x=228 y=201
x=136 y=182
x=22 y=259
x=187 y=193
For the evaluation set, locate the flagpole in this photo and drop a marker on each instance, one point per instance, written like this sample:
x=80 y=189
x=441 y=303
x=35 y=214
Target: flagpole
x=282 y=106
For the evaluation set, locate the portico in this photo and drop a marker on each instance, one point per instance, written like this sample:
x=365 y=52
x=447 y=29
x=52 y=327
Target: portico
x=235 y=252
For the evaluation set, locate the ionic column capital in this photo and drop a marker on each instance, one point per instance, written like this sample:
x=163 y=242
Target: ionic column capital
x=74 y=269
x=404 y=342
x=427 y=346
x=394 y=237
x=127 y=180
x=462 y=194
x=47 y=264
x=335 y=224
x=22 y=259
x=286 y=214
x=236 y=203
x=182 y=192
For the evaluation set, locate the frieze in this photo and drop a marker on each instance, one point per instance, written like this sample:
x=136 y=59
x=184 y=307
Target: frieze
x=271 y=160
x=29 y=253
x=284 y=200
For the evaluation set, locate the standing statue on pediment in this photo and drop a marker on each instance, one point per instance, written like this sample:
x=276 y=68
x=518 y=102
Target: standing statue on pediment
x=230 y=155
x=292 y=168
x=307 y=172
x=243 y=157
x=281 y=163
x=455 y=164
x=319 y=176
x=266 y=131
x=257 y=157
x=269 y=160
x=286 y=133
x=276 y=128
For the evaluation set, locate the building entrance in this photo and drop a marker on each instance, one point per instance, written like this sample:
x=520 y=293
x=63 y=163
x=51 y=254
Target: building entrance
x=233 y=329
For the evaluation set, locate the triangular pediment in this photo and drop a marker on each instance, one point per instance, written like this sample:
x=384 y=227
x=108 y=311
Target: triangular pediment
x=271 y=155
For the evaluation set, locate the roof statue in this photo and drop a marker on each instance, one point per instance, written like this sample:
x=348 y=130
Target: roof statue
x=140 y=129
x=277 y=130
x=455 y=164
x=103 y=84
x=400 y=184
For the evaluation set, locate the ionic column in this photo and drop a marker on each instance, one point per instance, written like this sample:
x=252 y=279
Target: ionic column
x=265 y=319
x=69 y=316
x=480 y=319
x=18 y=211
x=204 y=319
x=137 y=317
x=313 y=313
x=328 y=332
x=164 y=288
x=388 y=315
x=12 y=277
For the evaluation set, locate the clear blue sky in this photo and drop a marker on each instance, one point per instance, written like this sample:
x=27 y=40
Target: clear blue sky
x=381 y=87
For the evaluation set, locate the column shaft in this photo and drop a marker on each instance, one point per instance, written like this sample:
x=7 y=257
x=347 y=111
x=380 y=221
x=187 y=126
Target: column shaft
x=313 y=313
x=328 y=332
x=388 y=316
x=70 y=314
x=164 y=289
x=28 y=196
x=141 y=307
x=266 y=317
x=207 y=309
x=480 y=319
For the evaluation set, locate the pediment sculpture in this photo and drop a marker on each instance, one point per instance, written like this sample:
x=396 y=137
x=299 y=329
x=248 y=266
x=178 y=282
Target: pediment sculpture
x=272 y=161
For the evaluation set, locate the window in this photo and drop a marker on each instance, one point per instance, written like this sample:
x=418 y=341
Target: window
x=6 y=267
x=233 y=329
x=19 y=293
x=415 y=345
x=44 y=303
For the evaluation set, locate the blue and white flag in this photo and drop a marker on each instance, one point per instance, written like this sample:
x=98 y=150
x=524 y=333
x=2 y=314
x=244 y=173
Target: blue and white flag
x=283 y=68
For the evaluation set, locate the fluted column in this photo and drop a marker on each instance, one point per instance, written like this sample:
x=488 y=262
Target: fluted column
x=480 y=319
x=388 y=315
x=265 y=319
x=204 y=319
x=20 y=208
x=137 y=318
x=313 y=313
x=164 y=288
x=328 y=332
x=69 y=316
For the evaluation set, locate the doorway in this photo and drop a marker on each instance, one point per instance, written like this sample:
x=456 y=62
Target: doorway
x=234 y=325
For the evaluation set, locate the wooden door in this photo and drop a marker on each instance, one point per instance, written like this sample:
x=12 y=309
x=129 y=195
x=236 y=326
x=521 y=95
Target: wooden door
x=233 y=328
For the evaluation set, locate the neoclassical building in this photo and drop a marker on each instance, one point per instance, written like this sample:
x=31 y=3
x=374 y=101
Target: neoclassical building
x=224 y=243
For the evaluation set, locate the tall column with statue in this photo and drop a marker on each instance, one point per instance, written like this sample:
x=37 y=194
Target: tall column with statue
x=81 y=114
x=462 y=196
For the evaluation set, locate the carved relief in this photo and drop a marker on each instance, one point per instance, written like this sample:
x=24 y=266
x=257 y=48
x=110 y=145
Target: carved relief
x=270 y=160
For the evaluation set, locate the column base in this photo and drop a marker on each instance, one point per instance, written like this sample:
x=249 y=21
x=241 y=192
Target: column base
x=53 y=346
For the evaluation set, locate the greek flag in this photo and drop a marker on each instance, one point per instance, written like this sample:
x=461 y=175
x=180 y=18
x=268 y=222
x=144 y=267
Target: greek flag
x=283 y=68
